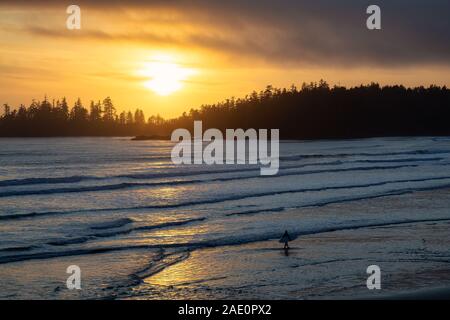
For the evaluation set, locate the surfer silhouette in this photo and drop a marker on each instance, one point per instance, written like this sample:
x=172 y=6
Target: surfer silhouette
x=285 y=239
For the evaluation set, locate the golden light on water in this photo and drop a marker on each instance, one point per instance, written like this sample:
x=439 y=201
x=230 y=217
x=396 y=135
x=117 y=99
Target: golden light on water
x=166 y=76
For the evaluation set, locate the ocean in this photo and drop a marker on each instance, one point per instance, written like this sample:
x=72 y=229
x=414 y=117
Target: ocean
x=122 y=212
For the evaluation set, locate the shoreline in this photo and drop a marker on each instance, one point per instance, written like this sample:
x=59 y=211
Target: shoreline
x=293 y=140
x=413 y=256
x=183 y=280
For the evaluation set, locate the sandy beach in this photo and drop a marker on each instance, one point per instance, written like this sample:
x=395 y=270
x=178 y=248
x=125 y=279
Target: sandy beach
x=414 y=259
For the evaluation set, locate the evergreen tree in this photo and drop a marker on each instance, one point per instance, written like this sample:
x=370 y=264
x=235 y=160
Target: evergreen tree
x=130 y=119
x=95 y=112
x=78 y=113
x=6 y=110
x=109 y=111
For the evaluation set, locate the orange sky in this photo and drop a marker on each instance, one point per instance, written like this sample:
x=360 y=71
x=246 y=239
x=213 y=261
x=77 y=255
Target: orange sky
x=111 y=55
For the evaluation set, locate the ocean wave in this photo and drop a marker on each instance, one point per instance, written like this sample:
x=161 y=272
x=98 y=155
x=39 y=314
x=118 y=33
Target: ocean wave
x=398 y=160
x=176 y=174
x=137 y=176
x=230 y=241
x=13 y=249
x=112 y=224
x=361 y=154
x=63 y=242
x=93 y=236
x=32 y=181
x=249 y=212
x=128 y=185
x=323 y=203
x=161 y=262
x=168 y=224
x=232 y=198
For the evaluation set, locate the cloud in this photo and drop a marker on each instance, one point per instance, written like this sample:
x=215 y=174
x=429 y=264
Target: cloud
x=295 y=32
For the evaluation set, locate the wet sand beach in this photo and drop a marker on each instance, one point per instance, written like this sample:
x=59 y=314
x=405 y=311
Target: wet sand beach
x=414 y=259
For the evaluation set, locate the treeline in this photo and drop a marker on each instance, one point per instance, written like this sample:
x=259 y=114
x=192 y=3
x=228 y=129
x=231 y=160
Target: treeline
x=312 y=111
x=318 y=111
x=43 y=118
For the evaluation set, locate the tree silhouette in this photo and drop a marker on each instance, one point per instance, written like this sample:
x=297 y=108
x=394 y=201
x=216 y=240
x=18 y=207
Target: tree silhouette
x=316 y=110
x=95 y=115
x=79 y=114
x=109 y=110
x=6 y=110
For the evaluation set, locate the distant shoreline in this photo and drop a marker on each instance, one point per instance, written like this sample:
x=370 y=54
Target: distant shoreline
x=167 y=138
x=316 y=111
x=146 y=138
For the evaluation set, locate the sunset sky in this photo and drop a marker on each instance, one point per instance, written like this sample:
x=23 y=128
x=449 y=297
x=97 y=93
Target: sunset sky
x=169 y=56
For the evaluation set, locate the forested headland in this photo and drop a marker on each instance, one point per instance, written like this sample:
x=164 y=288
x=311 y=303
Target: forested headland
x=313 y=111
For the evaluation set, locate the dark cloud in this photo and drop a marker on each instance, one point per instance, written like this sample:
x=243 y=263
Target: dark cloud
x=318 y=32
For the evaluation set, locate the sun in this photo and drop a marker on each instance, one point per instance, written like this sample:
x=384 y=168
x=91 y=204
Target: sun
x=166 y=76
